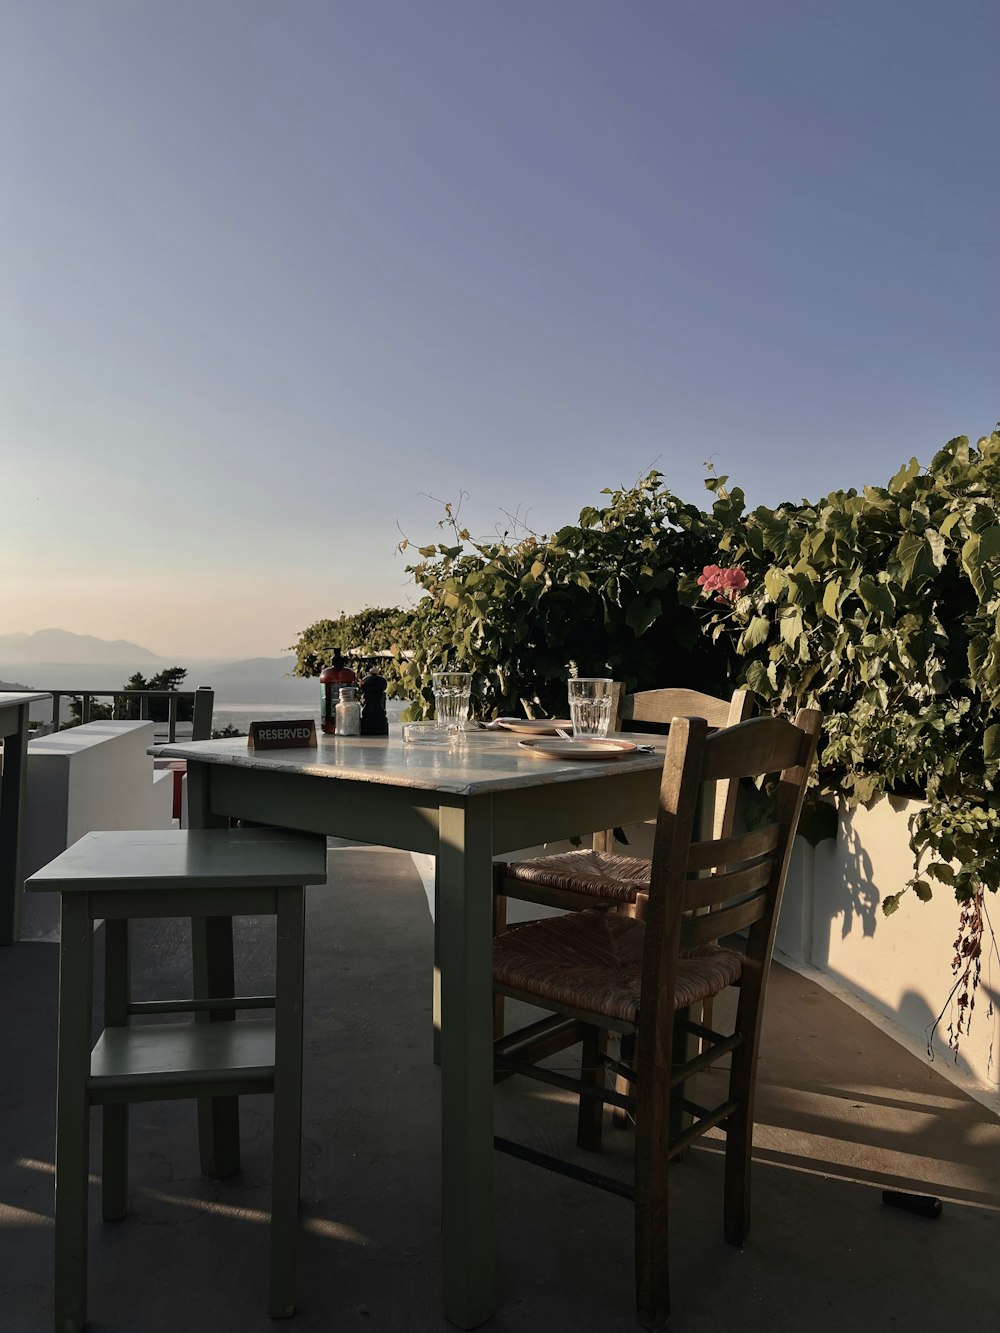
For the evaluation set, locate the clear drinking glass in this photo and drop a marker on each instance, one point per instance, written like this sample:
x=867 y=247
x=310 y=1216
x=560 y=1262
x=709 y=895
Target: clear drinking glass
x=590 y=705
x=452 y=692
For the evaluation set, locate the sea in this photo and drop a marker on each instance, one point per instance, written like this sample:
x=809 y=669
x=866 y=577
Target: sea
x=241 y=715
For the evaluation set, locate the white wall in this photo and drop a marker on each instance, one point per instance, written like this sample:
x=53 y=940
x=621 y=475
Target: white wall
x=832 y=919
x=97 y=776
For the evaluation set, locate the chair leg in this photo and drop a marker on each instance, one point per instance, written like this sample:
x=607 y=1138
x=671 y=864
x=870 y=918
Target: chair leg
x=590 y=1121
x=499 y=927
x=739 y=1146
x=652 y=1251
x=287 y=1132
x=620 y=1117
x=73 y=1114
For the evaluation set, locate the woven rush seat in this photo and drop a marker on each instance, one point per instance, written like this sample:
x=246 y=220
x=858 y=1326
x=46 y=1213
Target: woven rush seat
x=593 y=961
x=594 y=873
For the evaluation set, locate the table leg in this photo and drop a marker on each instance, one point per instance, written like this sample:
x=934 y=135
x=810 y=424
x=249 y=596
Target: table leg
x=12 y=790
x=213 y=975
x=436 y=1000
x=465 y=937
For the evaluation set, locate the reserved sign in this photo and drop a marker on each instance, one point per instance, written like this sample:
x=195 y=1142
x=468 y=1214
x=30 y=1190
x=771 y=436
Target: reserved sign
x=281 y=735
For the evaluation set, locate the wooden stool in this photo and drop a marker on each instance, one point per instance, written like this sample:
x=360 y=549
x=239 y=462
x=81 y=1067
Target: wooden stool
x=173 y=873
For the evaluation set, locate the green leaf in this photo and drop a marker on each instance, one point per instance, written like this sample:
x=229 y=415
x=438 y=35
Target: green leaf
x=831 y=598
x=913 y=556
x=774 y=583
x=991 y=743
x=938 y=548
x=790 y=627
x=641 y=612
x=876 y=596
x=756 y=633
x=989 y=542
x=904 y=477
x=757 y=680
x=923 y=890
x=972 y=563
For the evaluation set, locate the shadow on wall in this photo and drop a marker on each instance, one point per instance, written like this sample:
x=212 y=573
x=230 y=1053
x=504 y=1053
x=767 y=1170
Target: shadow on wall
x=861 y=897
x=844 y=888
x=900 y=965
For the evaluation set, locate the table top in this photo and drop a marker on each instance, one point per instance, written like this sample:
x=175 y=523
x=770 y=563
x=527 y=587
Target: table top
x=12 y=697
x=477 y=763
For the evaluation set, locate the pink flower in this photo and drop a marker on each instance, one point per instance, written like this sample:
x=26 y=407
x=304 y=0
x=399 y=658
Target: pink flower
x=725 y=582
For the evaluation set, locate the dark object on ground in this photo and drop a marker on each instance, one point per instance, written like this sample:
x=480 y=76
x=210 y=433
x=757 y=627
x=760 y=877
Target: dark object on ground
x=924 y=1205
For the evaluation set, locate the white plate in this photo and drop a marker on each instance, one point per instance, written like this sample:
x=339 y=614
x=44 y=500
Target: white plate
x=535 y=726
x=584 y=748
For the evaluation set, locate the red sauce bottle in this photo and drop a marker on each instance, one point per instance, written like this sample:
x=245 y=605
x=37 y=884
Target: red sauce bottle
x=330 y=680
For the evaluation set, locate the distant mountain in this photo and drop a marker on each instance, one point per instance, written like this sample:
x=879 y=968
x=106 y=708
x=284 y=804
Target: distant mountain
x=55 y=659
x=59 y=646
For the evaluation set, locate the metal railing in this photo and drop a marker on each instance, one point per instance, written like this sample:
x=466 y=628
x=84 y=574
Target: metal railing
x=123 y=706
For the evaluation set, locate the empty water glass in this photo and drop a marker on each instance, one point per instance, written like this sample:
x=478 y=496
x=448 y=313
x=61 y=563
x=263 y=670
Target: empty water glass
x=452 y=691
x=590 y=704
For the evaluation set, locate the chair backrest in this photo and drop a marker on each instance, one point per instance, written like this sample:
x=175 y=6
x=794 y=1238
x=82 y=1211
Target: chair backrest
x=651 y=711
x=703 y=890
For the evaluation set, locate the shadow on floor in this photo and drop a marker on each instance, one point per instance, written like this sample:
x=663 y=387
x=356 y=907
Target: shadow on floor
x=842 y=1112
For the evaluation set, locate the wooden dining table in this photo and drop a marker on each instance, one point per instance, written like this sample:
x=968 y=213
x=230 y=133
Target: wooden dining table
x=465 y=801
x=15 y=706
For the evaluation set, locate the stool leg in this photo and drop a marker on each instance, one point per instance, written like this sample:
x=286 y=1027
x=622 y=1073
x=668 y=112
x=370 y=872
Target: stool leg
x=287 y=1148
x=214 y=975
x=114 y=1148
x=73 y=1113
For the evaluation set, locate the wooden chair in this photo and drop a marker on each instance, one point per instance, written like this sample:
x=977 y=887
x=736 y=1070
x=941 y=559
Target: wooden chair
x=600 y=970
x=600 y=876
x=171 y=873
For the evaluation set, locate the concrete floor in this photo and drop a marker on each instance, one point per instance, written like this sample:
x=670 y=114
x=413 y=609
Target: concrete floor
x=842 y=1113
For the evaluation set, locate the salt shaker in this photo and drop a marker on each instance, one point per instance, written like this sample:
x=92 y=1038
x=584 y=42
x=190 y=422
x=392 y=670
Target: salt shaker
x=348 y=712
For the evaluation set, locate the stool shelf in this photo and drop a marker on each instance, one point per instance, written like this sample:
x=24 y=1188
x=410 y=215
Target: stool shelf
x=160 y=1056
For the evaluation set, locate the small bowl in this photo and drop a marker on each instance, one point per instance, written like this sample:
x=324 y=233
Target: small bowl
x=424 y=732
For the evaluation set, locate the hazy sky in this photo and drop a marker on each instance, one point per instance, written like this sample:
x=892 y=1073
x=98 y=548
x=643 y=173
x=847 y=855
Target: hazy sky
x=275 y=271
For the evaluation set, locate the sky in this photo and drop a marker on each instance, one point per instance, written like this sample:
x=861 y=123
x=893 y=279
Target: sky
x=279 y=277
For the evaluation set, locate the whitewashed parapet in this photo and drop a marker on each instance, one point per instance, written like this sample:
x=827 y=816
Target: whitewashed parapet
x=831 y=918
x=97 y=776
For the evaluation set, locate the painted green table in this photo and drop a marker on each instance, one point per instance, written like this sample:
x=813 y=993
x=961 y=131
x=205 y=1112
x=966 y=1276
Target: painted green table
x=14 y=708
x=464 y=803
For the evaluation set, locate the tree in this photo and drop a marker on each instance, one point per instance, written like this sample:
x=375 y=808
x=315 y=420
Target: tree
x=368 y=633
x=883 y=610
x=522 y=611
x=170 y=678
